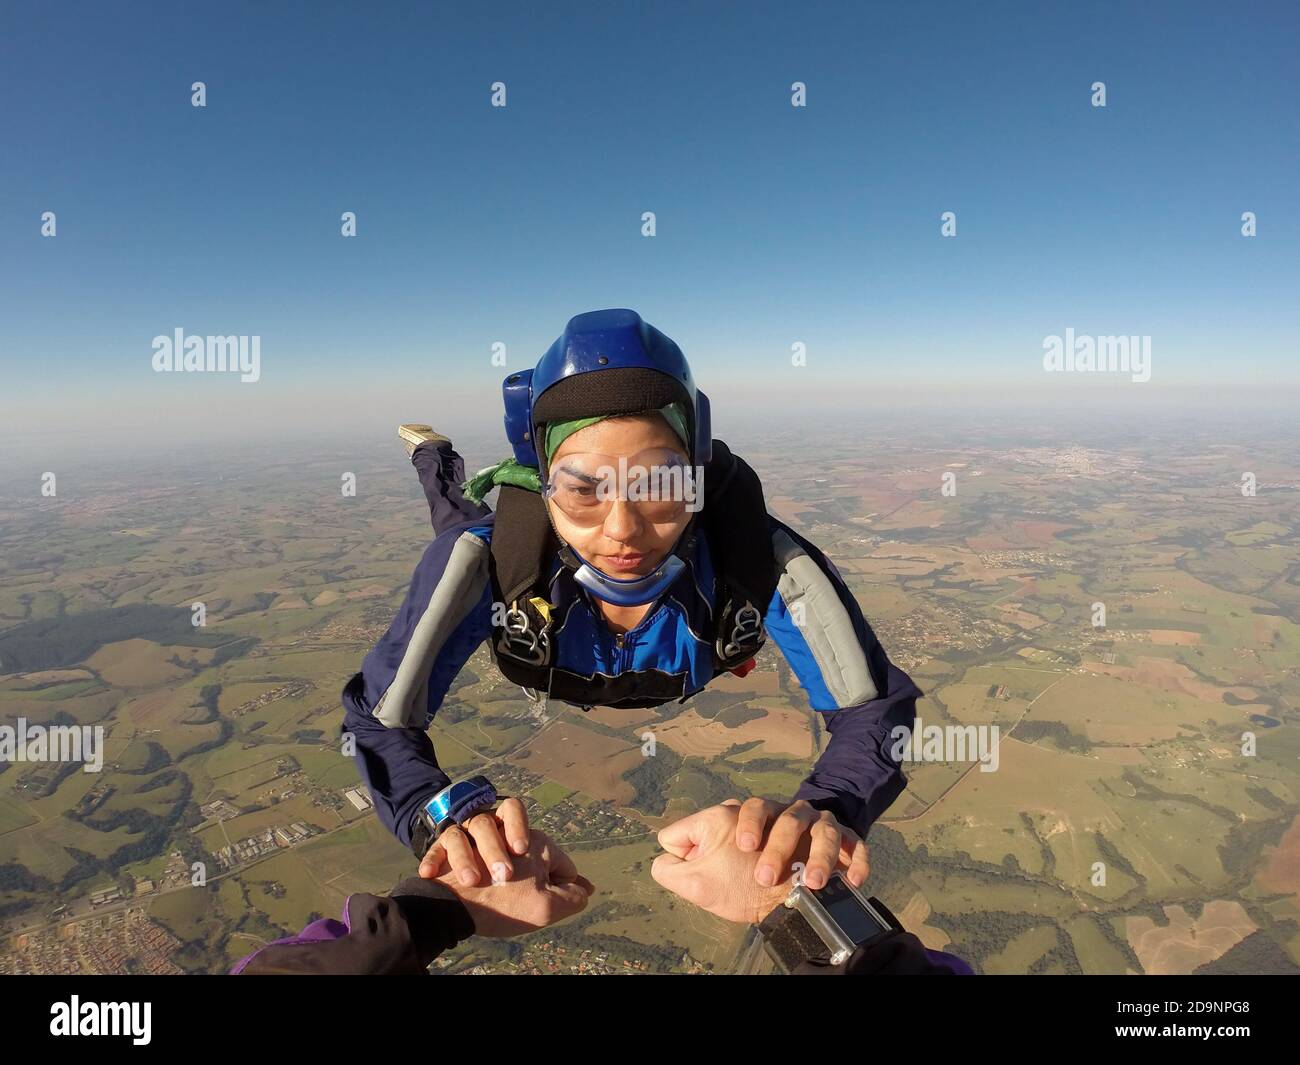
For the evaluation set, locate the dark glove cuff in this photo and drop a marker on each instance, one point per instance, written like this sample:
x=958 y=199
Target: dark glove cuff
x=435 y=915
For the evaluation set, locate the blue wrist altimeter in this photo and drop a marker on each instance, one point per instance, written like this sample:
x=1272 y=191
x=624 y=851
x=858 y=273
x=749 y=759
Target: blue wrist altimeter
x=457 y=803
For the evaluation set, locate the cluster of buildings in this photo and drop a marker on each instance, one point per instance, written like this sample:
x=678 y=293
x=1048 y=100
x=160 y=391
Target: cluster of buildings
x=110 y=944
x=291 y=690
x=247 y=850
x=571 y=822
x=219 y=809
x=550 y=958
x=105 y=896
x=358 y=797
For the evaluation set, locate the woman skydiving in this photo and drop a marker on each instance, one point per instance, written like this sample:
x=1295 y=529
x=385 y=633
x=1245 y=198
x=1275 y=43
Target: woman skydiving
x=594 y=590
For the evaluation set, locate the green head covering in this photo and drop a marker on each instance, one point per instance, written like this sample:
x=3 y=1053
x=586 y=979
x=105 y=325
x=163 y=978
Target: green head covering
x=529 y=477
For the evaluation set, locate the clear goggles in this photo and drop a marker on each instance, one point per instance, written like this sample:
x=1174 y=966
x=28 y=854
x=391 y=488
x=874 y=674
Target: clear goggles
x=659 y=482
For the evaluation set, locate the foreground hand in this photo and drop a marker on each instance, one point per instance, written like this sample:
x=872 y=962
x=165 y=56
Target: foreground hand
x=797 y=827
x=476 y=851
x=546 y=888
x=704 y=867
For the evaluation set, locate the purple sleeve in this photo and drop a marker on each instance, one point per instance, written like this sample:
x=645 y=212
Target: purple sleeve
x=322 y=931
x=379 y=935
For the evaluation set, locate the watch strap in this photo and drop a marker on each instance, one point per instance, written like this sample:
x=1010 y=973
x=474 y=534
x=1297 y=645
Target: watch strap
x=422 y=836
x=790 y=940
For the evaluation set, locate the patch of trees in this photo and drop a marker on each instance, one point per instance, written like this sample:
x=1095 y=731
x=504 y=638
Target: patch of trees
x=84 y=866
x=17 y=877
x=163 y=779
x=978 y=936
x=57 y=777
x=210 y=700
x=651 y=780
x=224 y=732
x=234 y=649
x=1114 y=859
x=1116 y=940
x=466 y=678
x=735 y=716
x=1239 y=852
x=1257 y=953
x=1048 y=855
x=1061 y=955
x=1056 y=731
x=767 y=765
x=1146 y=790
x=709 y=704
x=156 y=757
x=891 y=858
x=154 y=833
x=1265 y=798
x=51 y=643
x=705 y=787
x=452 y=712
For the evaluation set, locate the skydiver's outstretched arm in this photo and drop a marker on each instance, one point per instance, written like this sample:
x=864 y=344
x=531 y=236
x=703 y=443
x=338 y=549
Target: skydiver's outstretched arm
x=815 y=620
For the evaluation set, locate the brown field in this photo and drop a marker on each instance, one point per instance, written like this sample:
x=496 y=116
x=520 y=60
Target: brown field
x=161 y=708
x=1109 y=710
x=988 y=802
x=755 y=683
x=584 y=760
x=787 y=509
x=888 y=567
x=1282 y=871
x=916 y=514
x=370 y=591
x=993 y=542
x=913 y=918
x=1174 y=637
x=782 y=732
x=136 y=664
x=1183 y=944
x=1012 y=613
x=1118 y=755
x=1168 y=675
x=895 y=558
x=627 y=720
x=1041 y=533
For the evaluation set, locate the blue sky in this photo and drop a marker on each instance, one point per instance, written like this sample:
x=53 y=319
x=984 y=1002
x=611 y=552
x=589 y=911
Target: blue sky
x=775 y=224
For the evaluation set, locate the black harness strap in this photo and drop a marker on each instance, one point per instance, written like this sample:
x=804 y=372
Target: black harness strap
x=735 y=523
x=523 y=545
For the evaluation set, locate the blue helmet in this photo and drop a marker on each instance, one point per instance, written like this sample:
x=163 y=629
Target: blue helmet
x=605 y=362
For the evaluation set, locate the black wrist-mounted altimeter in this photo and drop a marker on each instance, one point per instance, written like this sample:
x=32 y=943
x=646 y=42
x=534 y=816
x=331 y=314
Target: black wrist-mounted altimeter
x=453 y=805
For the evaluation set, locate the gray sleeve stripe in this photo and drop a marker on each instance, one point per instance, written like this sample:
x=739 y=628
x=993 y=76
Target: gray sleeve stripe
x=404 y=704
x=827 y=626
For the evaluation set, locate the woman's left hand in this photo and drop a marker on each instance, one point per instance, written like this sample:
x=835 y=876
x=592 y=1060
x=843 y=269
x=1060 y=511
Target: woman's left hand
x=794 y=828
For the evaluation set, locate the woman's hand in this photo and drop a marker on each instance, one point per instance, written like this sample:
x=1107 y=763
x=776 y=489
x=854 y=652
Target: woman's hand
x=484 y=842
x=829 y=843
